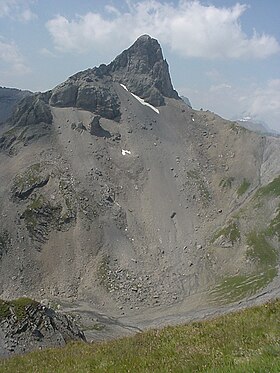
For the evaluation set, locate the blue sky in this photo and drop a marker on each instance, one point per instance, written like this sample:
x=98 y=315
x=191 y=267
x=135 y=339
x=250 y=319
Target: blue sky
x=223 y=55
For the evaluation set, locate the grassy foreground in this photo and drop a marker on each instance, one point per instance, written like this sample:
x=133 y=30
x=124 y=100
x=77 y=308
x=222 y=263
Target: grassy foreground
x=246 y=341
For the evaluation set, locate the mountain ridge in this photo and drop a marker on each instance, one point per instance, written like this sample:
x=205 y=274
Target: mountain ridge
x=130 y=211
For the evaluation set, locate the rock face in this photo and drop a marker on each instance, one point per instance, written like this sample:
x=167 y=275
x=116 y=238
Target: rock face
x=141 y=68
x=31 y=119
x=86 y=91
x=35 y=326
x=9 y=97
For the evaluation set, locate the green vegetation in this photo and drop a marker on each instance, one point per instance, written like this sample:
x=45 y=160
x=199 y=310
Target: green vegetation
x=274 y=226
x=29 y=177
x=40 y=216
x=243 y=187
x=245 y=341
x=261 y=250
x=31 y=213
x=226 y=183
x=4 y=309
x=231 y=232
x=236 y=288
x=17 y=307
x=272 y=188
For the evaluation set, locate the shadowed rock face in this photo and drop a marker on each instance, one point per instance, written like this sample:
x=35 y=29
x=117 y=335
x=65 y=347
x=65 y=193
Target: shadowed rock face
x=9 y=97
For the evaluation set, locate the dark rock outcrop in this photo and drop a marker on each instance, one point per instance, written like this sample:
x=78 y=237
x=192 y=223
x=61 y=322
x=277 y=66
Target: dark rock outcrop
x=97 y=130
x=26 y=325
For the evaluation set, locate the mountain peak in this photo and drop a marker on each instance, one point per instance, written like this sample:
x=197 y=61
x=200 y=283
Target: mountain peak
x=140 y=58
x=144 y=71
x=141 y=68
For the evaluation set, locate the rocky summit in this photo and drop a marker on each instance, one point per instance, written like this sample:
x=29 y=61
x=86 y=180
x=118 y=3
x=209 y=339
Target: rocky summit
x=131 y=209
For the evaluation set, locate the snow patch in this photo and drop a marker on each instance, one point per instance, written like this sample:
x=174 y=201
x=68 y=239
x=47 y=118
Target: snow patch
x=124 y=87
x=245 y=119
x=125 y=152
x=141 y=100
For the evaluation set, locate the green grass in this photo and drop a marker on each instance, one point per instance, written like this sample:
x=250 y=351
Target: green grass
x=274 y=226
x=273 y=188
x=4 y=309
x=243 y=187
x=231 y=232
x=245 y=341
x=17 y=307
x=261 y=250
x=235 y=288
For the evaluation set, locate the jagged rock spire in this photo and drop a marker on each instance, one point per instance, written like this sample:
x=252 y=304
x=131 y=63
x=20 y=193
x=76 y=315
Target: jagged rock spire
x=144 y=71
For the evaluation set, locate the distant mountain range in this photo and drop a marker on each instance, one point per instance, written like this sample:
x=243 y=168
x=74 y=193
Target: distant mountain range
x=257 y=126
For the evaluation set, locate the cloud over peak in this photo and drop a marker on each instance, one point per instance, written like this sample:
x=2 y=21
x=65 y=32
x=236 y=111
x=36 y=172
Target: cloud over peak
x=189 y=28
x=11 y=59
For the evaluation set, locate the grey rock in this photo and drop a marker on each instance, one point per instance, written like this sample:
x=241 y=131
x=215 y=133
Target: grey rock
x=9 y=97
x=41 y=327
x=142 y=69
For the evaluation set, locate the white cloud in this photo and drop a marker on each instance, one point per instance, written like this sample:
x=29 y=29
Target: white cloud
x=27 y=15
x=17 y=10
x=189 y=28
x=264 y=103
x=46 y=52
x=11 y=59
x=219 y=87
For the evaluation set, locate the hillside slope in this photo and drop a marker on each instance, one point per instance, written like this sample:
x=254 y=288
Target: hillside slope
x=134 y=206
